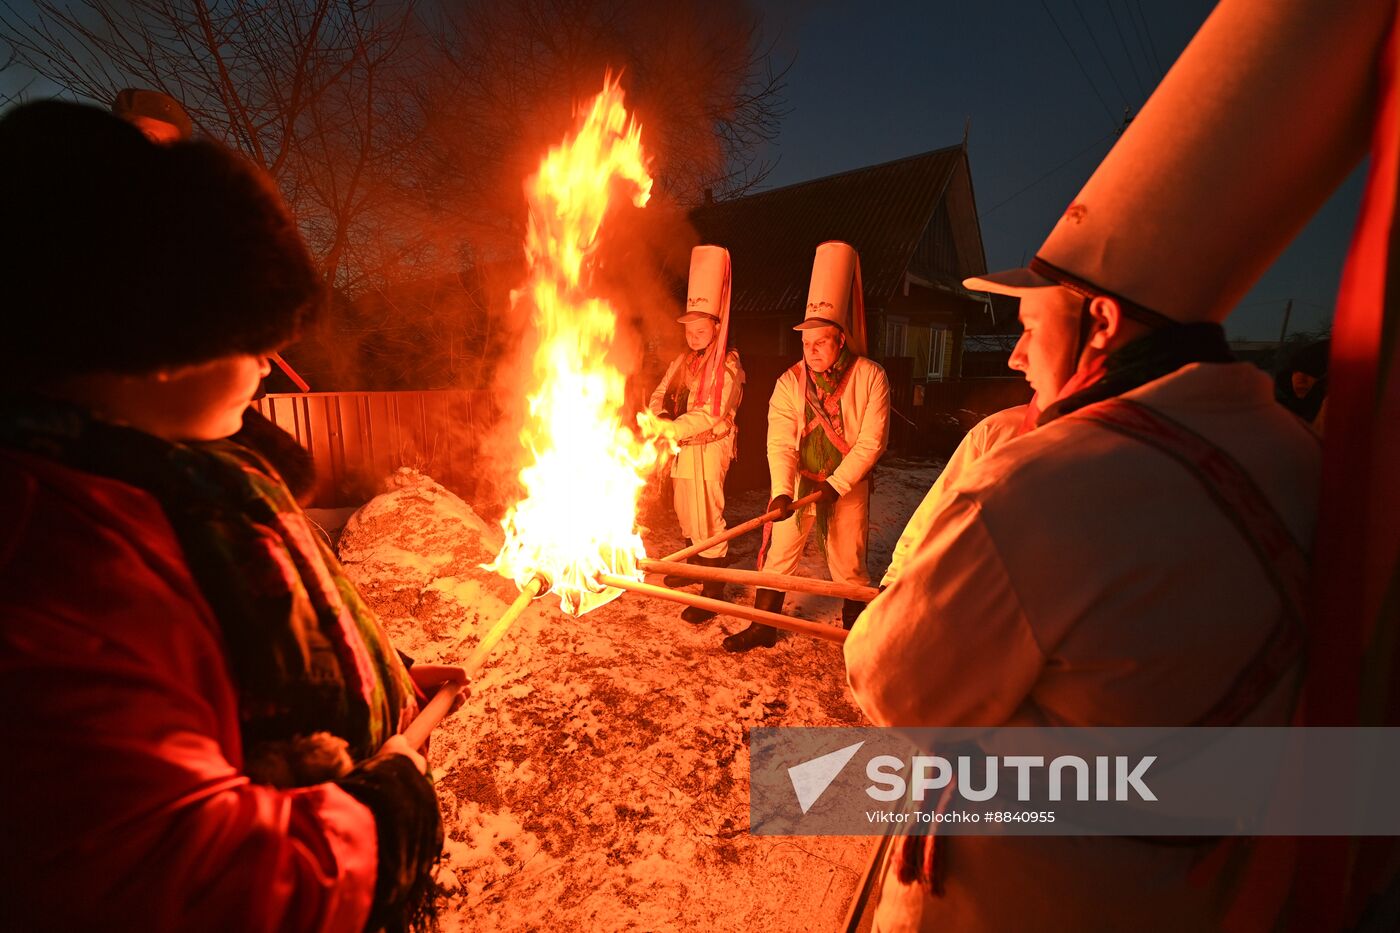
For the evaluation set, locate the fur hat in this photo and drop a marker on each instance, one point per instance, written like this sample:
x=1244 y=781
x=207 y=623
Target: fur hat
x=120 y=255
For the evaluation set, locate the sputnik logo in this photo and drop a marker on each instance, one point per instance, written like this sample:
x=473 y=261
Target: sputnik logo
x=811 y=778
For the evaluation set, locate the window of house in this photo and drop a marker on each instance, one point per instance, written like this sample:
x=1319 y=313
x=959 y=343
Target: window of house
x=940 y=354
x=896 y=337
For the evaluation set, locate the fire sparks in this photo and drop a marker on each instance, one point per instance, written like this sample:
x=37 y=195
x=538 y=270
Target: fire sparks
x=586 y=466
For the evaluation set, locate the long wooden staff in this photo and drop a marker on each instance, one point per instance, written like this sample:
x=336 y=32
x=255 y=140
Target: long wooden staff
x=752 y=524
x=418 y=731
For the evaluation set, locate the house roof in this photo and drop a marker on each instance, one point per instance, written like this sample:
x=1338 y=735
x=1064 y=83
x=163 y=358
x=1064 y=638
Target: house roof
x=882 y=211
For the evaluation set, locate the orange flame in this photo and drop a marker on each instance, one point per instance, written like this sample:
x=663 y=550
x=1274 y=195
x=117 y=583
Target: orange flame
x=579 y=512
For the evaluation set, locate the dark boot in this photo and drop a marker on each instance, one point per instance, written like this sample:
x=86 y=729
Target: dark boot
x=673 y=582
x=850 y=611
x=758 y=635
x=712 y=589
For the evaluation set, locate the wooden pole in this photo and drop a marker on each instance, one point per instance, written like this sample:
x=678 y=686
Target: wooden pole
x=291 y=373
x=418 y=731
x=723 y=607
x=752 y=524
x=1283 y=335
x=772 y=581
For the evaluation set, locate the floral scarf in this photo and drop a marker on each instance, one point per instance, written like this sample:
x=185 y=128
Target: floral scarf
x=823 y=444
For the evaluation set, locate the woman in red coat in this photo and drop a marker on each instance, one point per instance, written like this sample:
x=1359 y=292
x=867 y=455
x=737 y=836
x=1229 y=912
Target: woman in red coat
x=201 y=713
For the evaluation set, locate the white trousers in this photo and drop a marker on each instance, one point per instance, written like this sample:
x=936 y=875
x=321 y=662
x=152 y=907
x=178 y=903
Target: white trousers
x=847 y=536
x=700 y=507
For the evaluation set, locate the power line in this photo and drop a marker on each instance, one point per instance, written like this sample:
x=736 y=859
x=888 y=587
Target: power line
x=1102 y=57
x=1127 y=52
x=1074 y=158
x=1082 y=70
x=1151 y=42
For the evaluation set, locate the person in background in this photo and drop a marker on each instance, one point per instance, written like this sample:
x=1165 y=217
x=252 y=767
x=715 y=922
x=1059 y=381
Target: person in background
x=210 y=710
x=828 y=424
x=699 y=395
x=1301 y=386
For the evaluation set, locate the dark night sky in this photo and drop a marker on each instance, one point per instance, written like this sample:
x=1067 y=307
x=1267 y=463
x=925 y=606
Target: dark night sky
x=882 y=79
x=879 y=80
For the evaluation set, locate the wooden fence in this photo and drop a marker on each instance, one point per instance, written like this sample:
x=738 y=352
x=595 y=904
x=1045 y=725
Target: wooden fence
x=358 y=438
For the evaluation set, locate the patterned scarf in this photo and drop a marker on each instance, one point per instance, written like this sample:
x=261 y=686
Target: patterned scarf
x=320 y=688
x=682 y=378
x=823 y=448
x=307 y=655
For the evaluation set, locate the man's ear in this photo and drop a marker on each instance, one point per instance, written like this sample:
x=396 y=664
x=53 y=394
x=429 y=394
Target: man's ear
x=1105 y=322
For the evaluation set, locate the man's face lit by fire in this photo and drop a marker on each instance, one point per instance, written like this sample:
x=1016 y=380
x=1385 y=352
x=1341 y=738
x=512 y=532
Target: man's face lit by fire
x=1046 y=350
x=821 y=346
x=700 y=334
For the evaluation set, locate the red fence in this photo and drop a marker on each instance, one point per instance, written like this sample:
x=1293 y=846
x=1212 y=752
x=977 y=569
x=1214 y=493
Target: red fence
x=358 y=438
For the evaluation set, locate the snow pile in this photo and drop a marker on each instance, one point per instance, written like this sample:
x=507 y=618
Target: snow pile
x=597 y=779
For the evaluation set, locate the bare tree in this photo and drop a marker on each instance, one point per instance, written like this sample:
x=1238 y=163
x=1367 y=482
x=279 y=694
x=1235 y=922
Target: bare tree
x=299 y=86
x=696 y=71
x=400 y=140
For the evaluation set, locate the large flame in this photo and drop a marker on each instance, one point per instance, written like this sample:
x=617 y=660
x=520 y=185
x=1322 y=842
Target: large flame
x=587 y=467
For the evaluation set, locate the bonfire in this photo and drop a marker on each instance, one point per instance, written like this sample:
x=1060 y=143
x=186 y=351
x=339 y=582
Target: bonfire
x=586 y=465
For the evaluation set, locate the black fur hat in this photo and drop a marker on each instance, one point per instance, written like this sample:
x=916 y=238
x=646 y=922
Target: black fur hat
x=120 y=255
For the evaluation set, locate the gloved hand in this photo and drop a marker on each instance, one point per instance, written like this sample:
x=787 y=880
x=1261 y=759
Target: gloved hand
x=829 y=493
x=780 y=502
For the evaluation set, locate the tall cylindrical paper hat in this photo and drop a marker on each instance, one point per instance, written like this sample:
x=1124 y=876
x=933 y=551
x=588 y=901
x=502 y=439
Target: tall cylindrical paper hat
x=1261 y=117
x=834 y=297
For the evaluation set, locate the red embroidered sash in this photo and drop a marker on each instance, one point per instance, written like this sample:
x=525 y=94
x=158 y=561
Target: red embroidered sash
x=1237 y=497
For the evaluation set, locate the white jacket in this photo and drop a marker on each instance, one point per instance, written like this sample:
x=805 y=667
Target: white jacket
x=1074 y=576
x=985 y=435
x=865 y=412
x=708 y=460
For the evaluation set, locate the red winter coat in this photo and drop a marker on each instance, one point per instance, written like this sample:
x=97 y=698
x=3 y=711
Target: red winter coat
x=122 y=800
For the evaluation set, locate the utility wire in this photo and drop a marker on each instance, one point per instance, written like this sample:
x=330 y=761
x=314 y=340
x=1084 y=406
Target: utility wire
x=1151 y=42
x=1074 y=158
x=1127 y=52
x=1092 y=86
x=1102 y=57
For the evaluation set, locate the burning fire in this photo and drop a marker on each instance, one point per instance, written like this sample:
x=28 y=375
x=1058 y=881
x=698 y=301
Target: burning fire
x=586 y=466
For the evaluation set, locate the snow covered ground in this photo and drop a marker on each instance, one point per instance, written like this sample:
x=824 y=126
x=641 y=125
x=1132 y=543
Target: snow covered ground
x=597 y=779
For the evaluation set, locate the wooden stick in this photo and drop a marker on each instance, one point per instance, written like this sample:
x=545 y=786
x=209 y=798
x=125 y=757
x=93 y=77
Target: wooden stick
x=772 y=581
x=418 y=731
x=291 y=373
x=723 y=607
x=752 y=524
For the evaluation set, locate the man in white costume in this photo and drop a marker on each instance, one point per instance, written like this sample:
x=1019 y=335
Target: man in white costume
x=1139 y=557
x=828 y=424
x=699 y=395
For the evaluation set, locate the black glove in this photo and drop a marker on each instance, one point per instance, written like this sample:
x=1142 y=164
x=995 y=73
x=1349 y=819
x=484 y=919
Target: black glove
x=783 y=503
x=829 y=493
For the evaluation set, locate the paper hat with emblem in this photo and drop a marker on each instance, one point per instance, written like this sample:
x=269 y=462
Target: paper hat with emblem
x=707 y=296
x=835 y=297
x=1264 y=113
x=707 y=293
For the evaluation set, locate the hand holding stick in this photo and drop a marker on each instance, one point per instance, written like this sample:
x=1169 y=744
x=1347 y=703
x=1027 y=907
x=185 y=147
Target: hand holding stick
x=752 y=524
x=418 y=730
